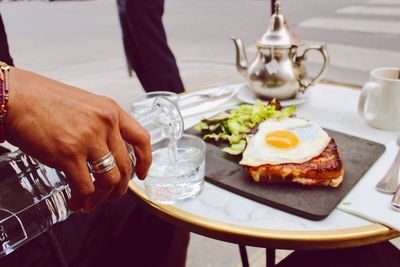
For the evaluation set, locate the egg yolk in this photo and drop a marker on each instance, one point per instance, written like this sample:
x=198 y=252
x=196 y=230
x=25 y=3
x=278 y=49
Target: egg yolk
x=282 y=139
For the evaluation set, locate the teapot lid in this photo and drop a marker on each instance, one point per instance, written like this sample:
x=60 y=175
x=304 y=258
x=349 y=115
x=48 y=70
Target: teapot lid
x=278 y=33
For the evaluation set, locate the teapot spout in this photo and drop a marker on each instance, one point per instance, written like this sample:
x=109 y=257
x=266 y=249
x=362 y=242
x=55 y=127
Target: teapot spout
x=241 y=58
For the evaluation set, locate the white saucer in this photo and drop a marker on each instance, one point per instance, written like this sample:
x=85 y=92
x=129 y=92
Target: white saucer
x=246 y=95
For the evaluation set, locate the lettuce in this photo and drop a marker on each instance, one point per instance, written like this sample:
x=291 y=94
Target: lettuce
x=236 y=149
x=234 y=126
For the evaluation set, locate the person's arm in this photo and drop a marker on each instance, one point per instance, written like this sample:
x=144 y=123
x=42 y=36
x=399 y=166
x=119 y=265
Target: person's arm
x=65 y=127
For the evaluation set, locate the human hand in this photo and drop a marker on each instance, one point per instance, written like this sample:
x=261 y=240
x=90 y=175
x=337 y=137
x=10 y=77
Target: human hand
x=65 y=127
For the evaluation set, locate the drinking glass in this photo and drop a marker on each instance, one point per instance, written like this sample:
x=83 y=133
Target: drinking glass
x=177 y=170
x=177 y=175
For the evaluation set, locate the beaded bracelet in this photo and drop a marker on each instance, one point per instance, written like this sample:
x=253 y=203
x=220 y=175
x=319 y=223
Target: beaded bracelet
x=4 y=98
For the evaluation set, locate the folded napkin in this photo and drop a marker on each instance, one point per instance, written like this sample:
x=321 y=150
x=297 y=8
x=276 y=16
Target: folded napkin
x=366 y=202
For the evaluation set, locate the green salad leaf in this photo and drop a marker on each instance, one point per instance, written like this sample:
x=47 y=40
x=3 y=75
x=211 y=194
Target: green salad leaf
x=233 y=127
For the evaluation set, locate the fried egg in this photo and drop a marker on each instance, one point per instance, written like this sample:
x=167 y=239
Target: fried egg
x=290 y=140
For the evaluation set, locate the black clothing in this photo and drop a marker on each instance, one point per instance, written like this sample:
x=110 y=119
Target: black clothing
x=4 y=50
x=146 y=47
x=377 y=255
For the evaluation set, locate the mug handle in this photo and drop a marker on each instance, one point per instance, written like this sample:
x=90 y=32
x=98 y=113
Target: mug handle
x=322 y=49
x=370 y=89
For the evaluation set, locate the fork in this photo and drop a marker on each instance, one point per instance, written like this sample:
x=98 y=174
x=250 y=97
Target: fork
x=388 y=184
x=216 y=94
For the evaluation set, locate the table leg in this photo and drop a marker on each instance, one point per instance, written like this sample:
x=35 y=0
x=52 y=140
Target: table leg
x=270 y=254
x=243 y=256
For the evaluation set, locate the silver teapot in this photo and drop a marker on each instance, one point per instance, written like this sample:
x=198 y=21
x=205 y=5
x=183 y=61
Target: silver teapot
x=277 y=70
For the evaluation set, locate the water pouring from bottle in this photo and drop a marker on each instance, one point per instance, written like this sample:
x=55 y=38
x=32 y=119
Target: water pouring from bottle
x=177 y=171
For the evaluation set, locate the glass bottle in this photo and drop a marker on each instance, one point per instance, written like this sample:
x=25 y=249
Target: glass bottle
x=33 y=196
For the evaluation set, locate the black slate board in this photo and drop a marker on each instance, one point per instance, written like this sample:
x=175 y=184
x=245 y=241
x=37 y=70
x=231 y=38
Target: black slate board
x=314 y=203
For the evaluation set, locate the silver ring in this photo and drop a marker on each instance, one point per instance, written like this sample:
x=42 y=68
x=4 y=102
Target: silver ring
x=103 y=164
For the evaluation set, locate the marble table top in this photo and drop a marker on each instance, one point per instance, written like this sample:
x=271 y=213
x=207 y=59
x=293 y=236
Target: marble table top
x=333 y=107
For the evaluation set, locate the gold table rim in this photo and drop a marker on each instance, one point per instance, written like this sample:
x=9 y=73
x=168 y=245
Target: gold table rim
x=285 y=239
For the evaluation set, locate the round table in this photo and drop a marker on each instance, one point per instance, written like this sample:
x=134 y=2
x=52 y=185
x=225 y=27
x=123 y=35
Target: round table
x=220 y=214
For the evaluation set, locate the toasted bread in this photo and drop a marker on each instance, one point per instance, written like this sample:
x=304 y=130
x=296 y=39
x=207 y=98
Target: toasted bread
x=325 y=169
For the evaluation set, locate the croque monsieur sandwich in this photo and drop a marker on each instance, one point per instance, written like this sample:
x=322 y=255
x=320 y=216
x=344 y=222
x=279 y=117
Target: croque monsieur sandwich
x=292 y=150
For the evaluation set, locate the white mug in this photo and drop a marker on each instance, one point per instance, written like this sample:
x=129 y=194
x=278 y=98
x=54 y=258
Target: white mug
x=379 y=102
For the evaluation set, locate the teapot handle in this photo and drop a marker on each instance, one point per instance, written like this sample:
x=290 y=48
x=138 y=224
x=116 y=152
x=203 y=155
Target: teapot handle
x=322 y=49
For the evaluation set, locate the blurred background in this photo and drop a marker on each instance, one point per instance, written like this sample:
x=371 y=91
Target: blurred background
x=79 y=42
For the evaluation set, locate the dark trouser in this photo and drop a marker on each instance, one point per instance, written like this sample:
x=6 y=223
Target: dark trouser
x=378 y=255
x=4 y=51
x=117 y=233
x=146 y=45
